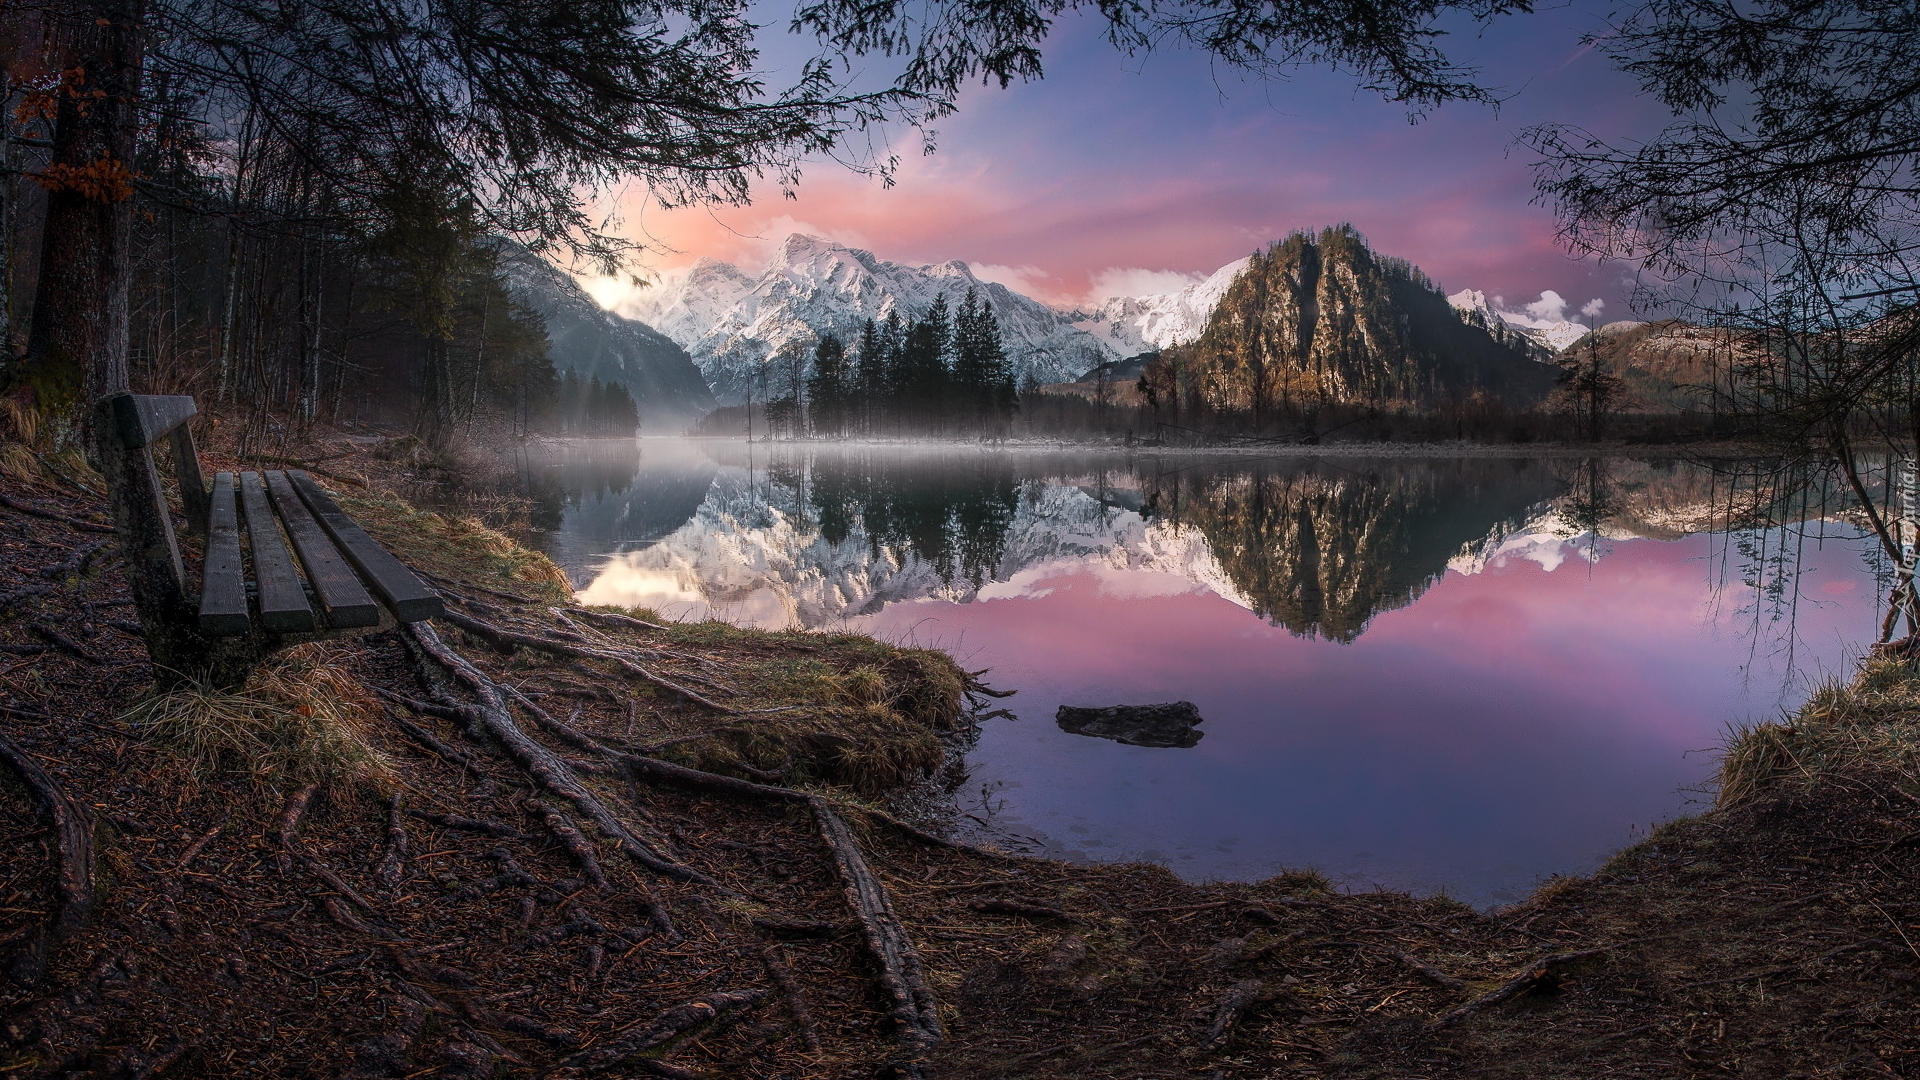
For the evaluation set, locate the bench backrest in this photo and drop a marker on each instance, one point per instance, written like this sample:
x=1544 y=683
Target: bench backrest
x=128 y=426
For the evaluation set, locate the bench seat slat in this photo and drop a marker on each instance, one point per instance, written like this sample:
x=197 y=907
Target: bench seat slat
x=283 y=603
x=223 y=586
x=405 y=593
x=342 y=597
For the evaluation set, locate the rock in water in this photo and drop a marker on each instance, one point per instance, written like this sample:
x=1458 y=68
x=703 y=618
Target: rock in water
x=1169 y=724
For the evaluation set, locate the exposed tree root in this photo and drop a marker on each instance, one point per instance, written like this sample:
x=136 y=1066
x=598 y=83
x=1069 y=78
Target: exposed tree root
x=29 y=957
x=194 y=849
x=1536 y=973
x=665 y=1028
x=1025 y=909
x=429 y=740
x=571 y=838
x=542 y=764
x=1426 y=970
x=393 y=861
x=35 y=511
x=466 y=824
x=65 y=643
x=293 y=851
x=1229 y=1009
x=75 y=563
x=775 y=959
x=514 y=639
x=901 y=973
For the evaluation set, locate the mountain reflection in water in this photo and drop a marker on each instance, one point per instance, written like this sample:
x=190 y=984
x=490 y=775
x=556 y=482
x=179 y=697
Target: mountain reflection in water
x=1457 y=674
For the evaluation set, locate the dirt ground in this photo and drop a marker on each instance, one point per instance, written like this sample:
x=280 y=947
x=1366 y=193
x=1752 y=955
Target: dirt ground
x=433 y=908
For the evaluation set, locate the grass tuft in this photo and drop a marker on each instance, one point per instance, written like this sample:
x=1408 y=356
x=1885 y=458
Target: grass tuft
x=865 y=716
x=1870 y=726
x=299 y=719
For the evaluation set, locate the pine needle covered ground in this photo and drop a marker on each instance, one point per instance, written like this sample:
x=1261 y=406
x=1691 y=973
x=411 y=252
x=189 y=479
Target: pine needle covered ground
x=547 y=841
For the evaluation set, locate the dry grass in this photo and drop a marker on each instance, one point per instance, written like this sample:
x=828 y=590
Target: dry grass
x=854 y=712
x=458 y=548
x=1870 y=726
x=300 y=718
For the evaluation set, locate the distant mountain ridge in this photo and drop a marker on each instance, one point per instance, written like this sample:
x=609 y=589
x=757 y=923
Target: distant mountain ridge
x=1131 y=325
x=1551 y=336
x=730 y=322
x=1325 y=319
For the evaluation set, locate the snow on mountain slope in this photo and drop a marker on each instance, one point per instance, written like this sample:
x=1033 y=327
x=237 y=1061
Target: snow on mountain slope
x=1136 y=324
x=684 y=306
x=1554 y=334
x=730 y=322
x=753 y=564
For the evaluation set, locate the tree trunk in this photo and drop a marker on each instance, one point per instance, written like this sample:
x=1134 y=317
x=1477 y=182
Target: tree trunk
x=78 y=349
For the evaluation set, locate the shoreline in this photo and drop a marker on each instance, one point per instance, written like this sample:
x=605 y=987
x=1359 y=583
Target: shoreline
x=1642 y=451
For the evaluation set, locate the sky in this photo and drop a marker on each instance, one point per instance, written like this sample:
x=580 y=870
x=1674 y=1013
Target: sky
x=1126 y=176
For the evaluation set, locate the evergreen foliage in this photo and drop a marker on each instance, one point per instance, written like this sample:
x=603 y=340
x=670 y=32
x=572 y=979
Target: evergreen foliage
x=593 y=409
x=946 y=373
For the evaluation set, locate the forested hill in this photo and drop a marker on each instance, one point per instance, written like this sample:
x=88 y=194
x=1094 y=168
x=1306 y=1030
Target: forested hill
x=592 y=342
x=1324 y=319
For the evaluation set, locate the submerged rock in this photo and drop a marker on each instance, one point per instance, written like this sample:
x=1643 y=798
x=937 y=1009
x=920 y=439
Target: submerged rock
x=1169 y=724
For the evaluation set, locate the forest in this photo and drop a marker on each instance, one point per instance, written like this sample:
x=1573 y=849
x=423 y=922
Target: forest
x=943 y=374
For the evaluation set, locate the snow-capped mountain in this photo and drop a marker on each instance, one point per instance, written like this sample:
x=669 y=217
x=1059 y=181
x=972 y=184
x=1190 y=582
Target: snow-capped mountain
x=1552 y=334
x=731 y=322
x=1135 y=324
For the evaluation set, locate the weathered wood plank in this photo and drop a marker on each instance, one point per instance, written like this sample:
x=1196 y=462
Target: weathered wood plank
x=140 y=420
x=409 y=598
x=344 y=600
x=193 y=486
x=140 y=520
x=283 y=603
x=223 y=585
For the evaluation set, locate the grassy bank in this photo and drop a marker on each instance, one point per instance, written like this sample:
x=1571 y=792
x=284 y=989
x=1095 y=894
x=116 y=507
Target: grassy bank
x=435 y=910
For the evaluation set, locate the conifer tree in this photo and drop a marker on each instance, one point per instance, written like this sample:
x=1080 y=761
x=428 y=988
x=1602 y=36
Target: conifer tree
x=870 y=378
x=828 y=385
x=897 y=379
x=924 y=359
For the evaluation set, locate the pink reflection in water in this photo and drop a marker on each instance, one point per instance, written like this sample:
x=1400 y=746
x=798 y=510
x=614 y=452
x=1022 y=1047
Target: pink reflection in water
x=1509 y=724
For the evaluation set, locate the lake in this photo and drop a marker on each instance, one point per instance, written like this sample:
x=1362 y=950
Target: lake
x=1455 y=675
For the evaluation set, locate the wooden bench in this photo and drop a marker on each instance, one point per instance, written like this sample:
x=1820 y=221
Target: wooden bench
x=253 y=597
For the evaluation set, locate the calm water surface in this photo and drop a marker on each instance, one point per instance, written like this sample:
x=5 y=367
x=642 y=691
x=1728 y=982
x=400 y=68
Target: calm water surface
x=1440 y=675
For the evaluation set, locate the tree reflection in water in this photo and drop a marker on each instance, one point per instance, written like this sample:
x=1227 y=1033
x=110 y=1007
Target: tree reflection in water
x=1321 y=547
